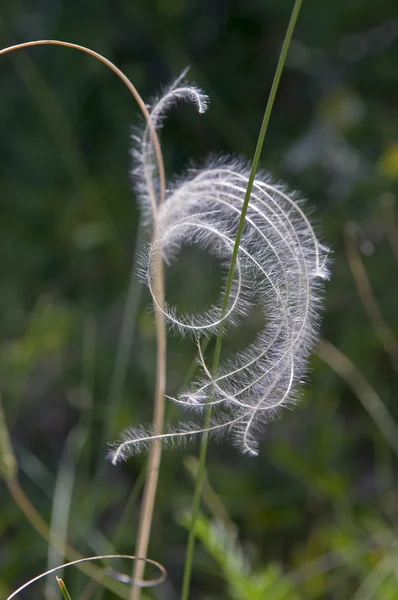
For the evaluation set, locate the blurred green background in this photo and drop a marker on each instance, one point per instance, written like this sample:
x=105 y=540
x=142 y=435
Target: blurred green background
x=316 y=514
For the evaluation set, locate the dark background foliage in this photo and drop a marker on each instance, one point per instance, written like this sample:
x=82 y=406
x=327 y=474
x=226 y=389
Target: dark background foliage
x=324 y=488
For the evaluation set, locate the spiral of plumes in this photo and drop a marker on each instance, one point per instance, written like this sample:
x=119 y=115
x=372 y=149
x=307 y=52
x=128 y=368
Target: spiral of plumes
x=280 y=266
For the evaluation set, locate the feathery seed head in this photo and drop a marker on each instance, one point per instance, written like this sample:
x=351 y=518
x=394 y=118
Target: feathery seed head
x=280 y=266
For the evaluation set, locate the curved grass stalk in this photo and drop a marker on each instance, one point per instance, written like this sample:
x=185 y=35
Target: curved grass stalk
x=155 y=195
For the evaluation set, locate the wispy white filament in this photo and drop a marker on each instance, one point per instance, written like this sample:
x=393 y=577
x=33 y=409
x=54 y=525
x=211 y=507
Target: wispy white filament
x=280 y=266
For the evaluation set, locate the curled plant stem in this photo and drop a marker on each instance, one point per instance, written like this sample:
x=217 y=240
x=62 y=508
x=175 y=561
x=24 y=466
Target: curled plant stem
x=120 y=576
x=9 y=472
x=41 y=527
x=219 y=341
x=9 y=468
x=368 y=298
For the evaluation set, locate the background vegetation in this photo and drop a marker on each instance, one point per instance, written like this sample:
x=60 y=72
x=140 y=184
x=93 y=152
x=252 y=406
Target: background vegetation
x=315 y=516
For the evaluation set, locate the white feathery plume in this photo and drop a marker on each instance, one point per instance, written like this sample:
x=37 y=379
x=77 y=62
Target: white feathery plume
x=280 y=266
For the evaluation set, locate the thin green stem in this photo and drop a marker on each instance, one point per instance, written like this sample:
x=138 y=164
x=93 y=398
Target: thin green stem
x=63 y=589
x=219 y=341
x=195 y=509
